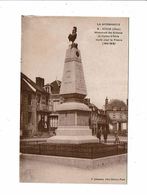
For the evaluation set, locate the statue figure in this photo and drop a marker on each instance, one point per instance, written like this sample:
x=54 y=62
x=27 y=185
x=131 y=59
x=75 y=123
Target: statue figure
x=72 y=37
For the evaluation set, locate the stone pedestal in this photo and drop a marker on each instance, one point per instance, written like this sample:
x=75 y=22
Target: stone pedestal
x=74 y=115
x=73 y=124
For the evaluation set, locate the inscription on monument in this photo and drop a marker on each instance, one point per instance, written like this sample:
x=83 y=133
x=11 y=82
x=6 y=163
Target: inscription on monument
x=73 y=77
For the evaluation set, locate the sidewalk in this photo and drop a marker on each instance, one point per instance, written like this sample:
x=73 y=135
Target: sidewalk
x=43 y=171
x=122 y=138
x=34 y=139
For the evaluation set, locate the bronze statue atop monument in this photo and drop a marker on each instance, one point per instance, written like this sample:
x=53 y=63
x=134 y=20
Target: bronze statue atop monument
x=72 y=37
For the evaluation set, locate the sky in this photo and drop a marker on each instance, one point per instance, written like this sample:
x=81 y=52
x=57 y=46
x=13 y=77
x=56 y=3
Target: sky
x=44 y=44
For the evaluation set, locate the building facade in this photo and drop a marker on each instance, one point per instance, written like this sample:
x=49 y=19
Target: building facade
x=38 y=104
x=117 y=115
x=35 y=107
x=55 y=99
x=98 y=118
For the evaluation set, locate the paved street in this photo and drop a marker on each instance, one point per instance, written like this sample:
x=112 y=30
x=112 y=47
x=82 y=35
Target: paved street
x=40 y=171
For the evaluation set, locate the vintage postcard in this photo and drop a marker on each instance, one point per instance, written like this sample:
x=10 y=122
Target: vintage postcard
x=74 y=99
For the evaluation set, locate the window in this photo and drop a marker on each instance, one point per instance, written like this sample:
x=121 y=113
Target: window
x=47 y=89
x=38 y=98
x=43 y=97
x=46 y=100
x=113 y=115
x=29 y=99
x=121 y=116
x=29 y=117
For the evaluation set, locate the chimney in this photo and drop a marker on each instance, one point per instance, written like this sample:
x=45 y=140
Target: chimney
x=40 y=81
x=127 y=101
x=106 y=103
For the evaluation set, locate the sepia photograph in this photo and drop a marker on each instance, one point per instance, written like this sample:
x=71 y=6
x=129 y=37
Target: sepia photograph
x=74 y=99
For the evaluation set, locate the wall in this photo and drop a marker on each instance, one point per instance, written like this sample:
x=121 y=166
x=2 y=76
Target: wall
x=83 y=118
x=67 y=119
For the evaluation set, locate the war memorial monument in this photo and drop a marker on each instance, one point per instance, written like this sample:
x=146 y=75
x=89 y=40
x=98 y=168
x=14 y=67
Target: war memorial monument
x=74 y=114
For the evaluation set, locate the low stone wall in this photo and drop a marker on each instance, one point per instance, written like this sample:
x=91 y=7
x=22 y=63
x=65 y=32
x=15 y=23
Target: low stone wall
x=88 y=150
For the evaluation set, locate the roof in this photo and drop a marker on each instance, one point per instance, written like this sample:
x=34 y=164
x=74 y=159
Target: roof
x=116 y=104
x=25 y=86
x=93 y=107
x=56 y=82
x=55 y=87
x=30 y=85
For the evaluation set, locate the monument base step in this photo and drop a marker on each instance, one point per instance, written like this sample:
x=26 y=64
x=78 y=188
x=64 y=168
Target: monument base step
x=77 y=131
x=72 y=139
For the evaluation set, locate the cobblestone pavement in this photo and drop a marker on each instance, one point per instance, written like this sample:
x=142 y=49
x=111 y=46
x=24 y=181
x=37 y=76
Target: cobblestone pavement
x=40 y=171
